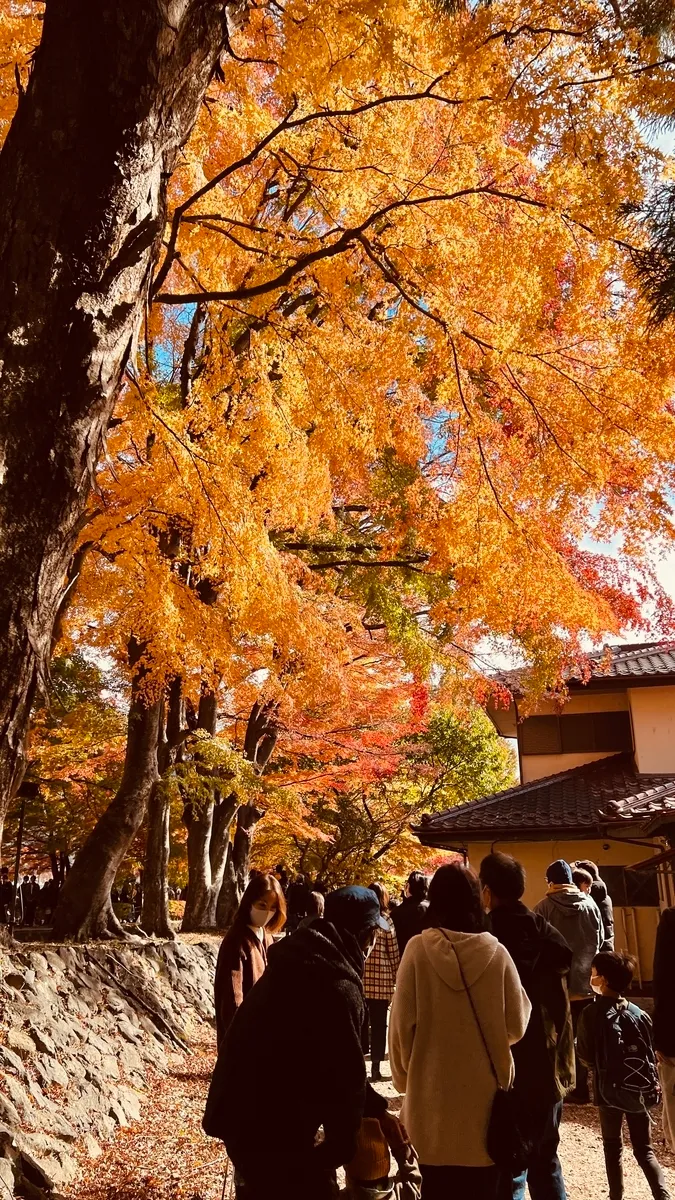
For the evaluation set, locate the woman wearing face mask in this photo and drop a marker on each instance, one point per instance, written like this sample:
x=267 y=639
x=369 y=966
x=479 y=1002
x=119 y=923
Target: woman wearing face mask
x=243 y=952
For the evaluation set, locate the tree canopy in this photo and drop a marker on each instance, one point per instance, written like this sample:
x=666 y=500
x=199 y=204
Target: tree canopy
x=392 y=389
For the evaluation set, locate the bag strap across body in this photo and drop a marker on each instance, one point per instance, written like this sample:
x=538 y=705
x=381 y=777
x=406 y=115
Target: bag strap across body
x=473 y=1009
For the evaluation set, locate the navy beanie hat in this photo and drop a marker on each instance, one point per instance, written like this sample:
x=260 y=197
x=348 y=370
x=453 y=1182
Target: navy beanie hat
x=559 y=872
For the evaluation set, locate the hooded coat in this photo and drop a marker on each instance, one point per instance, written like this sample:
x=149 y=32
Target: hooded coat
x=577 y=917
x=544 y=1058
x=436 y=1052
x=603 y=900
x=295 y=1043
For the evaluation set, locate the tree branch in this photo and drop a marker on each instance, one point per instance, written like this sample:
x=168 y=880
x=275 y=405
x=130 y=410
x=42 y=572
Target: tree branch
x=347 y=238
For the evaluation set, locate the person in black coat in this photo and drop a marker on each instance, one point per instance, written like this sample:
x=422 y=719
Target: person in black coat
x=410 y=917
x=602 y=898
x=299 y=1029
x=544 y=1058
x=297 y=902
x=664 y=1018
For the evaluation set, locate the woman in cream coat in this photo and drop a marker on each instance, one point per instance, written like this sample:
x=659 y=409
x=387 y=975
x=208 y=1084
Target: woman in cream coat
x=436 y=1052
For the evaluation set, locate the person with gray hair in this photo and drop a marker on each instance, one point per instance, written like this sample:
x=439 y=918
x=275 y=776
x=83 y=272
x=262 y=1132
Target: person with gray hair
x=602 y=898
x=577 y=917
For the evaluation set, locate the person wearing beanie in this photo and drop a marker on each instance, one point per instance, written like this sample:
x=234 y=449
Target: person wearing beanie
x=302 y=1023
x=577 y=917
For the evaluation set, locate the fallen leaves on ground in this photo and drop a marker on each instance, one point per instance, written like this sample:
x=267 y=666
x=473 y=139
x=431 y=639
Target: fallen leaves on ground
x=166 y=1156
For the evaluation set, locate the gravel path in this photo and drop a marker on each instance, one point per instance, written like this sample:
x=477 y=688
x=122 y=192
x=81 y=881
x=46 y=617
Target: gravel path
x=167 y=1157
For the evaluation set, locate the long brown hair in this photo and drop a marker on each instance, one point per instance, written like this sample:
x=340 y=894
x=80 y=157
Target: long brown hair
x=454 y=900
x=382 y=894
x=258 y=887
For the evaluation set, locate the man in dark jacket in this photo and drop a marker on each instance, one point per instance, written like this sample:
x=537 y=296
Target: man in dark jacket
x=410 y=917
x=577 y=917
x=544 y=1058
x=602 y=898
x=664 y=1018
x=6 y=897
x=292 y=1060
x=297 y=902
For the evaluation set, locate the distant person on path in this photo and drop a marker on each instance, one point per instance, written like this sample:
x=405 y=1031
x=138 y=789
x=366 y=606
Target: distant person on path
x=379 y=981
x=6 y=897
x=30 y=890
x=436 y=1049
x=615 y=1040
x=577 y=917
x=410 y=916
x=297 y=899
x=242 y=957
x=602 y=898
x=544 y=1058
x=664 y=1018
x=301 y=1026
x=24 y=893
x=47 y=900
x=316 y=903
x=281 y=874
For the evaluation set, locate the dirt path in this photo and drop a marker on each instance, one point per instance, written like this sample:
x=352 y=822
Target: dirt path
x=167 y=1157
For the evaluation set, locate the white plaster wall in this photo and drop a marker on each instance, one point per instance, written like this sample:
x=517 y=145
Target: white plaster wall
x=585 y=702
x=537 y=766
x=653 y=716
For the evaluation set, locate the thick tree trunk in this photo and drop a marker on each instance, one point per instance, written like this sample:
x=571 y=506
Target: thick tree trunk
x=114 y=92
x=155 y=915
x=229 y=897
x=84 y=909
x=199 y=822
x=208 y=827
x=207 y=846
x=238 y=864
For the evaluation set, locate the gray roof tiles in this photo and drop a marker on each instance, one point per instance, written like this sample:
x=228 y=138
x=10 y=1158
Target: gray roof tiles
x=606 y=792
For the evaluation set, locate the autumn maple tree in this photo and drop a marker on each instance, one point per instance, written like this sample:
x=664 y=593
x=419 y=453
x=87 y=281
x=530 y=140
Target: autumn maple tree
x=386 y=365
x=359 y=814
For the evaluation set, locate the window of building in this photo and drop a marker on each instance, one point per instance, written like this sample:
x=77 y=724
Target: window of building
x=576 y=733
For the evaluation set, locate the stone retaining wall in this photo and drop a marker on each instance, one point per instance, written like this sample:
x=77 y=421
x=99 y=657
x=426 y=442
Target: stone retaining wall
x=79 y=1028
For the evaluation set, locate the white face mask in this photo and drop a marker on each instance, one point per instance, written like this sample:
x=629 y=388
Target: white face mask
x=260 y=916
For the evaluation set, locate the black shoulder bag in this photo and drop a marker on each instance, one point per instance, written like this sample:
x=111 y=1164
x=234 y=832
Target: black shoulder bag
x=505 y=1144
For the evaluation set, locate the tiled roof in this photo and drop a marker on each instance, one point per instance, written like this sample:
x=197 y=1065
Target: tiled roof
x=589 y=798
x=643 y=660
x=637 y=663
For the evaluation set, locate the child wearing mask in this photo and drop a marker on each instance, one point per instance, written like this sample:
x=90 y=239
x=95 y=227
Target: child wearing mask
x=614 y=1039
x=242 y=957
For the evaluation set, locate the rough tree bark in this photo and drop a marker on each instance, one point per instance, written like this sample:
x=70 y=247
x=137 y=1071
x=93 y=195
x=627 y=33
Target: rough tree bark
x=114 y=91
x=155 y=913
x=84 y=909
x=208 y=827
x=259 y=742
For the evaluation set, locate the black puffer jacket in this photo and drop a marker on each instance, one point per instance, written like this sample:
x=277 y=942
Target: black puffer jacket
x=292 y=1061
x=544 y=1058
x=409 y=918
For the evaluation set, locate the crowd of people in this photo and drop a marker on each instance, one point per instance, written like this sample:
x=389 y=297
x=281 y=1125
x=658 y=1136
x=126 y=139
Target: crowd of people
x=33 y=904
x=496 y=1016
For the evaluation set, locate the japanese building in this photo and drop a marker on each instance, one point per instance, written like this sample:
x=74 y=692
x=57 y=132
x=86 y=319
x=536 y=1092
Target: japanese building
x=597 y=782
